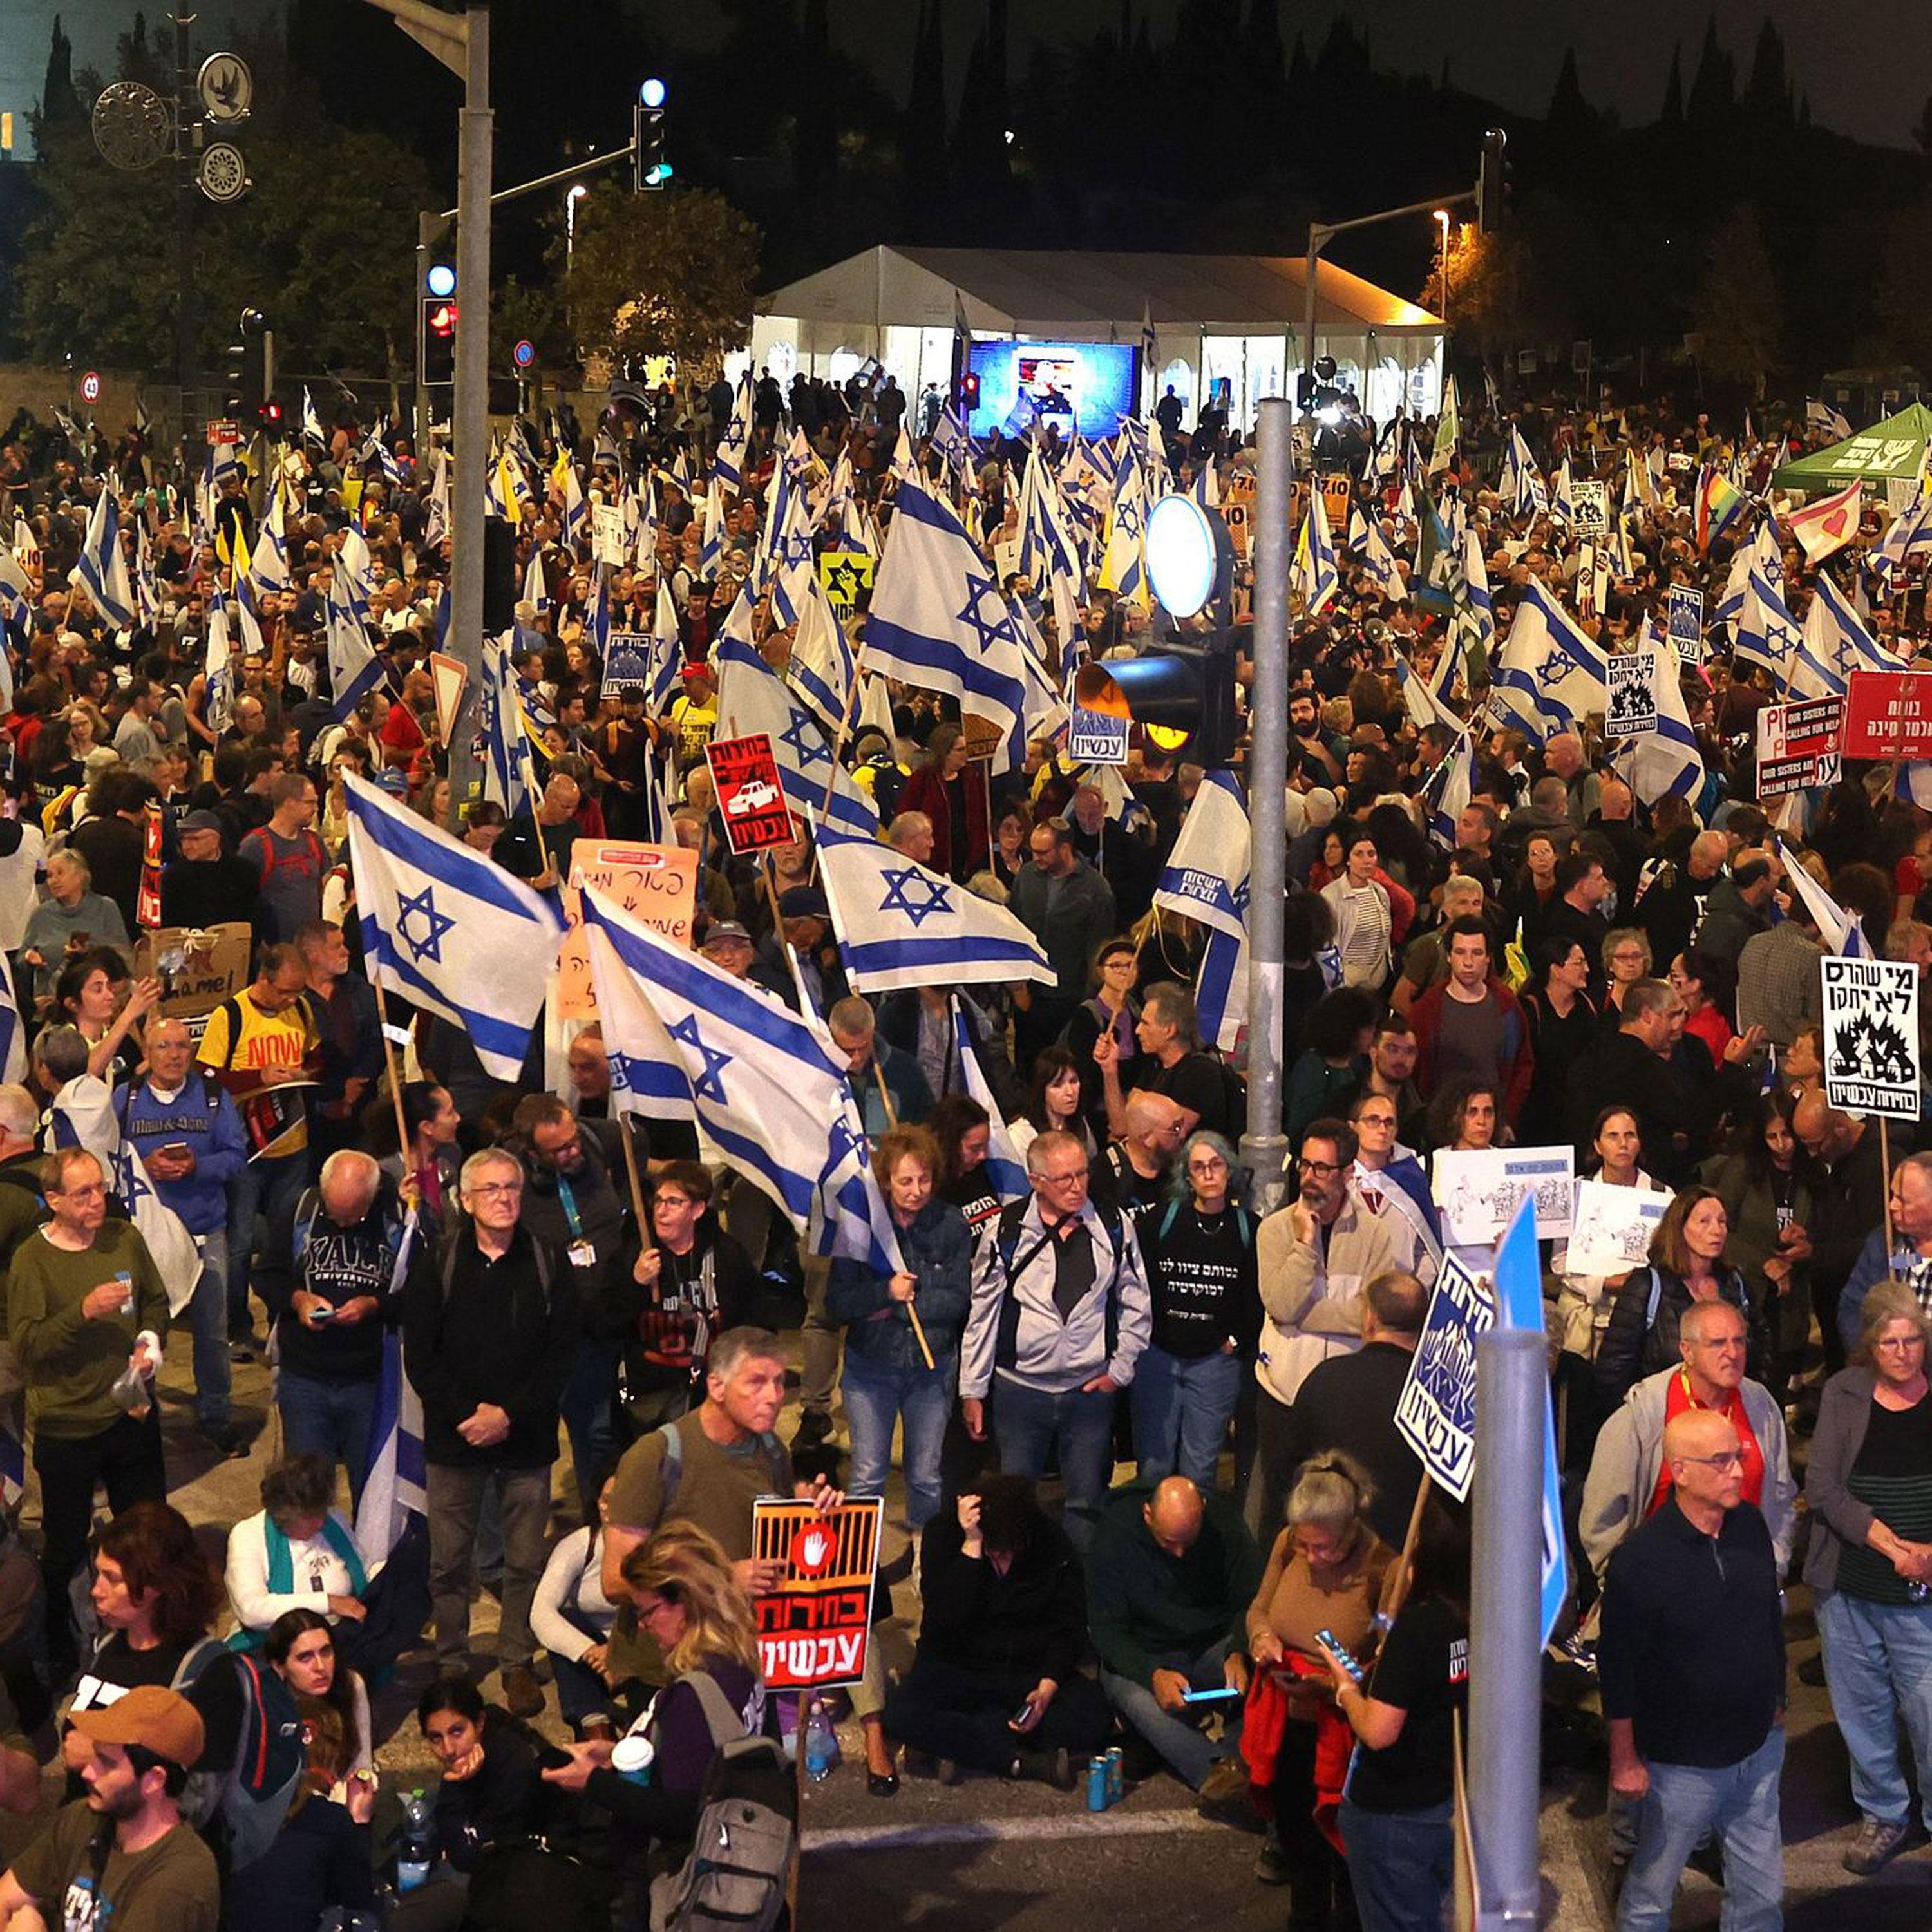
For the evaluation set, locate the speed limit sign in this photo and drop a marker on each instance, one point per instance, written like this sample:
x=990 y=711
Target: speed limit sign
x=90 y=387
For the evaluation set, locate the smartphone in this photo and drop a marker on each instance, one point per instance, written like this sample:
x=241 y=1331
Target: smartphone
x=174 y=1150
x=1208 y=1696
x=326 y=1313
x=1025 y=1711
x=1341 y=1650
x=551 y=1758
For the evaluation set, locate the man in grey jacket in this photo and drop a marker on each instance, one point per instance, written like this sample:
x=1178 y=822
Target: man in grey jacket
x=1060 y=1315
x=1068 y=907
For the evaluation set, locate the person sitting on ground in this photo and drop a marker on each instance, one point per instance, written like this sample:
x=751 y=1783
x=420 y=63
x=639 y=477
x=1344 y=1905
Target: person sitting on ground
x=299 y=1552
x=573 y=1618
x=300 y=1648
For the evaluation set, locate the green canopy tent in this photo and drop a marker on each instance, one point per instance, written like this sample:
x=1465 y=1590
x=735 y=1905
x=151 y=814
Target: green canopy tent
x=1895 y=447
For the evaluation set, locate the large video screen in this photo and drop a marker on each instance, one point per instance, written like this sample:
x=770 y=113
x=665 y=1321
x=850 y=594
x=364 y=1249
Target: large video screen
x=1088 y=386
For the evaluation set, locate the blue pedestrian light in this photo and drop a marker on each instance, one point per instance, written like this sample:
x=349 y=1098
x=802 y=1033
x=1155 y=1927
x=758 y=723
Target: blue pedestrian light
x=652 y=93
x=441 y=280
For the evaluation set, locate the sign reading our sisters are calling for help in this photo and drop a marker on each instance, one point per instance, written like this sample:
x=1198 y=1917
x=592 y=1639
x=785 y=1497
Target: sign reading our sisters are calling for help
x=1871 y=1035
x=1436 y=1415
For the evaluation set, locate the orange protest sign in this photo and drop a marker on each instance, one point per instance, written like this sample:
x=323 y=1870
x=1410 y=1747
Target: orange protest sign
x=657 y=885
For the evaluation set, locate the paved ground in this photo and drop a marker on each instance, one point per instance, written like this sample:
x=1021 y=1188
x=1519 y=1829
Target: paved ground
x=1025 y=1858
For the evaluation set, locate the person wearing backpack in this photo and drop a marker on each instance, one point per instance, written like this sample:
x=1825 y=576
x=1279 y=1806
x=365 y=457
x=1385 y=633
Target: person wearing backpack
x=1059 y=1317
x=1206 y=1316
x=289 y=858
x=489 y=1334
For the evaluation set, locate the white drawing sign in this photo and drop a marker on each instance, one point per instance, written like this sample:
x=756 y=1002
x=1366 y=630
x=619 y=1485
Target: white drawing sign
x=1633 y=705
x=1436 y=1415
x=1477 y=1189
x=1591 y=504
x=1871 y=1035
x=1612 y=1232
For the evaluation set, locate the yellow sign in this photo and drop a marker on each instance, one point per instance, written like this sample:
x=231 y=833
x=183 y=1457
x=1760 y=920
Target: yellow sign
x=844 y=576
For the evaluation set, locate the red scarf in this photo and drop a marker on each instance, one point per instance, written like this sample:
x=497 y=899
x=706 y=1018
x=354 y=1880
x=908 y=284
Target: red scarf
x=1677 y=1401
x=1266 y=1718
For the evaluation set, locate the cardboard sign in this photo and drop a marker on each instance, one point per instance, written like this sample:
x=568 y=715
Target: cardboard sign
x=1478 y=1190
x=1888 y=714
x=1237 y=509
x=813 y=1628
x=1610 y=1234
x=1686 y=622
x=657 y=885
x=751 y=794
x=1798 y=745
x=1633 y=707
x=1871 y=1035
x=844 y=576
x=627 y=662
x=197 y=970
x=979 y=738
x=1337 y=495
x=1435 y=1414
x=1591 y=504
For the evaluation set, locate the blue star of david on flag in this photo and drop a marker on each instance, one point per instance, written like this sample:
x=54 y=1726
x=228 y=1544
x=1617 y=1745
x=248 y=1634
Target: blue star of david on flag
x=807 y=742
x=430 y=946
x=844 y=1143
x=1553 y=670
x=989 y=634
x=901 y=883
x=1127 y=518
x=709 y=1085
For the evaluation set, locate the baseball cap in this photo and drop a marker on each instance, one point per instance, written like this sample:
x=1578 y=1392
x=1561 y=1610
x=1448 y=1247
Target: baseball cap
x=726 y=929
x=201 y=821
x=151 y=1715
x=802 y=902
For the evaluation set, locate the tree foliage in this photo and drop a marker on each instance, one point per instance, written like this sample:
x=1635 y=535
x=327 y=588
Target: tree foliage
x=662 y=274
x=1739 y=314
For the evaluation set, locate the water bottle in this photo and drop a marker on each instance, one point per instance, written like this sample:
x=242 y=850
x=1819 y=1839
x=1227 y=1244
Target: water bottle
x=418 y=1853
x=821 y=1743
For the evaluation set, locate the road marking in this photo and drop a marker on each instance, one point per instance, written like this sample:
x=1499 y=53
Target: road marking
x=985 y=1831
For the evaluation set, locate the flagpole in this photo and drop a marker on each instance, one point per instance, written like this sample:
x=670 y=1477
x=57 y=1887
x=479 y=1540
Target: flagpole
x=892 y=1121
x=844 y=732
x=636 y=1181
x=394 y=1073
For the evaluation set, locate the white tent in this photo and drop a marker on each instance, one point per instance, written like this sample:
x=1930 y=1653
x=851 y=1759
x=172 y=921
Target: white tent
x=1233 y=318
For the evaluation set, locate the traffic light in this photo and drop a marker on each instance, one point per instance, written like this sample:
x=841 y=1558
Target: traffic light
x=1493 y=182
x=269 y=415
x=648 y=168
x=1183 y=696
x=251 y=365
x=969 y=391
x=436 y=326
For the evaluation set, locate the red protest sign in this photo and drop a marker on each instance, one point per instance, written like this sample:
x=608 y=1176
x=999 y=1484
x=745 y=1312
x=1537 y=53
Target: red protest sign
x=1888 y=714
x=750 y=795
x=812 y=1629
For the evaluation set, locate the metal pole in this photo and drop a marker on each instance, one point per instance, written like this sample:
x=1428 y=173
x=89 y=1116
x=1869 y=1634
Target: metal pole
x=186 y=129
x=1317 y=237
x=1505 y=1652
x=471 y=411
x=1264 y=1147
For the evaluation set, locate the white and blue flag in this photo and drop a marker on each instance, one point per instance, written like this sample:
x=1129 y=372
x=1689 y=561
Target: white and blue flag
x=900 y=924
x=1550 y=673
x=646 y=1076
x=509 y=779
x=448 y=929
x=1206 y=879
x=938 y=620
x=354 y=669
x=397 y=1486
x=102 y=571
x=1665 y=761
x=729 y=466
x=1006 y=1171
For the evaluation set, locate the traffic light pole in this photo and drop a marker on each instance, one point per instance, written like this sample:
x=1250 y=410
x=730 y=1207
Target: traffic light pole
x=1264 y=1147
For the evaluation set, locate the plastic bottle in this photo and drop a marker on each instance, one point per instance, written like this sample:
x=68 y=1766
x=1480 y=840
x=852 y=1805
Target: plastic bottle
x=821 y=1742
x=418 y=1852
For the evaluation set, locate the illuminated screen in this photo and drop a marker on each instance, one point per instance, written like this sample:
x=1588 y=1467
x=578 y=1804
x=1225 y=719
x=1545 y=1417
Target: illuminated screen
x=1089 y=385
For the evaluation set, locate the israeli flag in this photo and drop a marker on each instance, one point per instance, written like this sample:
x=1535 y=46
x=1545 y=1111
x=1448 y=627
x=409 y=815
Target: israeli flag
x=1313 y=573
x=666 y=655
x=1563 y=505
x=1833 y=643
x=1205 y=876
x=354 y=669
x=763 y=1086
x=1766 y=632
x=102 y=571
x=268 y=567
x=217 y=702
x=311 y=423
x=901 y=925
x=1221 y=987
x=536 y=585
x=1122 y=566
x=1366 y=540
x=938 y=620
x=950 y=439
x=448 y=929
x=752 y=698
x=508 y=778
x=1840 y=931
x=729 y=466
x=1551 y=672
x=646 y=1076
x=397 y=1486
x=711 y=553
x=436 y=505
x=1447 y=789
x=1006 y=1171
x=821 y=669
x=1665 y=761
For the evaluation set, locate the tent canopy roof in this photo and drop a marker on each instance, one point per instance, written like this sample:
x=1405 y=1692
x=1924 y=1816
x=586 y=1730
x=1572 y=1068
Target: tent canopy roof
x=1895 y=447
x=1083 y=296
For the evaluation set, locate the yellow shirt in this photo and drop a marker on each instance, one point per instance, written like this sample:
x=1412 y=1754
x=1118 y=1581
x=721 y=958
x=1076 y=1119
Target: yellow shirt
x=275 y=1118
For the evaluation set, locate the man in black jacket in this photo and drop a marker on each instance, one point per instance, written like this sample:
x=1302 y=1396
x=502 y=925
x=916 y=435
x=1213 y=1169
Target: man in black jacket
x=997 y=1683
x=489 y=1333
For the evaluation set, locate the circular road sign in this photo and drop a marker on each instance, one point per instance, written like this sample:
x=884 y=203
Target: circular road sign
x=90 y=387
x=524 y=354
x=223 y=175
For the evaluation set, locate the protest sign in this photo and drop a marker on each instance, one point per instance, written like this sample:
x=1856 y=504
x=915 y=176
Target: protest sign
x=1798 y=745
x=1633 y=705
x=812 y=1628
x=1435 y=1414
x=627 y=662
x=1888 y=714
x=1591 y=503
x=1871 y=1035
x=657 y=885
x=844 y=576
x=1477 y=1189
x=1686 y=622
x=751 y=794
x=1610 y=1232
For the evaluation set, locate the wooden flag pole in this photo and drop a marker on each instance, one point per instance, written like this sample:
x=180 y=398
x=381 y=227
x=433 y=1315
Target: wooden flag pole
x=892 y=1119
x=1395 y=1586
x=1885 y=1161
x=395 y=1076
x=636 y=1181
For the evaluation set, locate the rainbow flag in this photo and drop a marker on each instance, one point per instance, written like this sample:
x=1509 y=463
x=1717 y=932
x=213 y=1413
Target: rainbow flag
x=1718 y=503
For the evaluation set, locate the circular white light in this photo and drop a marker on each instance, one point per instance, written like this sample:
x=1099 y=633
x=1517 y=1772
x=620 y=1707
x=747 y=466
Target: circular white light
x=652 y=93
x=1182 y=557
x=441 y=280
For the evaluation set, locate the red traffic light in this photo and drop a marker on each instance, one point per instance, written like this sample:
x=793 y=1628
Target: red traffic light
x=441 y=318
x=969 y=389
x=270 y=415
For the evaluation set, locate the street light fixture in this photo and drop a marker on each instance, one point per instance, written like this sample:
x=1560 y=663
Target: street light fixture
x=570 y=201
x=1442 y=219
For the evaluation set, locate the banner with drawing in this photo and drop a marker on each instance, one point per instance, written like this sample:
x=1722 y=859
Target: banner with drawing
x=1477 y=1189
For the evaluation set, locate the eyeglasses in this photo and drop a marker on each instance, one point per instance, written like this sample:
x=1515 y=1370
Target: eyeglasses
x=1061 y=1180
x=1725 y=1459
x=671 y=1200
x=1319 y=1168
x=1214 y=1164
x=1372 y=1120
x=496 y=1187
x=1900 y=1342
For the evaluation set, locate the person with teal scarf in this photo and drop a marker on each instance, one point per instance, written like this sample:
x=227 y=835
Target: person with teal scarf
x=299 y=1553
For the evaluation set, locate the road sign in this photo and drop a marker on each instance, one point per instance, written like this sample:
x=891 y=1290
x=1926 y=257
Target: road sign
x=1798 y=745
x=224 y=174
x=1888 y=714
x=447 y=675
x=524 y=354
x=90 y=387
x=751 y=794
x=224 y=431
x=1871 y=1035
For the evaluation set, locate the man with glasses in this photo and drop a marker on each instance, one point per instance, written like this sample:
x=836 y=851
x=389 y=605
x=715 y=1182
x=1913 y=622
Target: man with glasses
x=1134 y=1171
x=1060 y=1314
x=1692 y=1669
x=85 y=1313
x=1315 y=1255
x=489 y=1331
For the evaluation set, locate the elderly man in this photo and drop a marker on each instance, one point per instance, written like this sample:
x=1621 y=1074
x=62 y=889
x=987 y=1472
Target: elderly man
x=1060 y=1313
x=1316 y=1256
x=348 y=1234
x=536 y=843
x=799 y=954
x=204 y=886
x=1670 y=906
x=1691 y=1664
x=1910 y=1260
x=1170 y=1575
x=189 y=1136
x=489 y=1334
x=85 y=1311
x=1135 y=1172
x=1170 y=1042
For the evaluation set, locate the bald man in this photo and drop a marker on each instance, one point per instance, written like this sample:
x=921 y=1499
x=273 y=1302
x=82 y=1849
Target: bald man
x=1134 y=1172
x=1691 y=1665
x=1170 y=1574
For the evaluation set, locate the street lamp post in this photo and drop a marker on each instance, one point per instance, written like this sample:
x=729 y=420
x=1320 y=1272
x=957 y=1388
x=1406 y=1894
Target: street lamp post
x=1442 y=221
x=570 y=201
